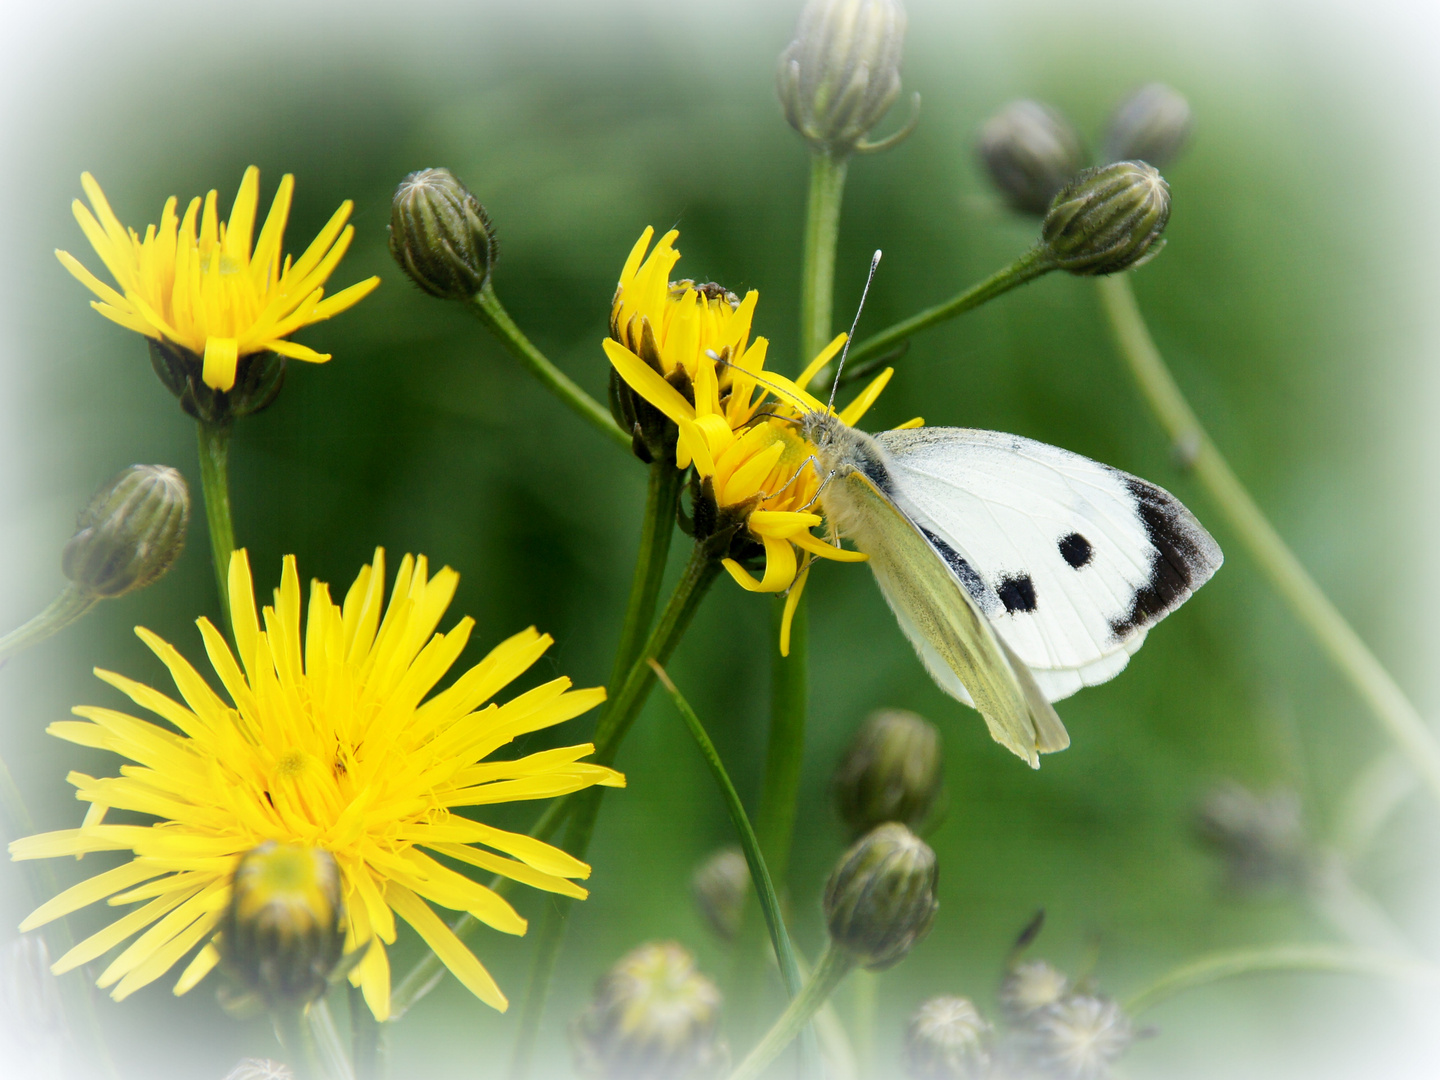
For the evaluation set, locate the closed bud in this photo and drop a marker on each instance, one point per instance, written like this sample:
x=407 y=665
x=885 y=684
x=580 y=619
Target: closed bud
x=1260 y=838
x=947 y=1039
x=441 y=236
x=283 y=932
x=880 y=900
x=653 y=1017
x=1030 y=151
x=841 y=74
x=891 y=771
x=130 y=533
x=1107 y=219
x=1079 y=1037
x=720 y=885
x=1151 y=125
x=1030 y=987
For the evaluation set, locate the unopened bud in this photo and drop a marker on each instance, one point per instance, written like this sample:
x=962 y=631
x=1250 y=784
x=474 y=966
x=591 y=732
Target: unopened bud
x=1030 y=151
x=720 y=885
x=1079 y=1037
x=441 y=236
x=130 y=533
x=841 y=73
x=947 y=1039
x=1260 y=838
x=1030 y=987
x=1107 y=219
x=880 y=900
x=653 y=1017
x=891 y=771
x=283 y=933
x=1151 y=125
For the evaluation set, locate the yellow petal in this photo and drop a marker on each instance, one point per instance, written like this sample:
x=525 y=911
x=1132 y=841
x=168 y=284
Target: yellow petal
x=442 y=941
x=221 y=357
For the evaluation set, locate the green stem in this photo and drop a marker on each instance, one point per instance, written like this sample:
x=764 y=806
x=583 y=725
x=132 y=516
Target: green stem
x=661 y=501
x=492 y=313
x=1334 y=959
x=749 y=844
x=295 y=1035
x=69 y=607
x=615 y=723
x=865 y=996
x=1287 y=576
x=215 y=483
x=364 y=1036
x=785 y=753
x=325 y=1039
x=822 y=231
x=1028 y=267
x=1375 y=794
x=833 y=966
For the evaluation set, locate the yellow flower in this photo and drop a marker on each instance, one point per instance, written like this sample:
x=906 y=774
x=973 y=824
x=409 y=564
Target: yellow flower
x=209 y=292
x=328 y=741
x=753 y=464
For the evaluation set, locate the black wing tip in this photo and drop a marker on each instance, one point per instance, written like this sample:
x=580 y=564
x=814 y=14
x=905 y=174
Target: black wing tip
x=1185 y=557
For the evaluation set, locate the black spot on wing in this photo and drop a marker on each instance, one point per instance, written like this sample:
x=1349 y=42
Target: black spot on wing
x=1017 y=593
x=972 y=581
x=1174 y=562
x=1076 y=550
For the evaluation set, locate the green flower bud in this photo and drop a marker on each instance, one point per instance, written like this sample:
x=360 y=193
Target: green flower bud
x=1030 y=987
x=1079 y=1037
x=653 y=1017
x=1151 y=125
x=1030 y=151
x=130 y=533
x=880 y=900
x=1260 y=838
x=891 y=771
x=947 y=1039
x=841 y=74
x=440 y=235
x=258 y=379
x=1107 y=219
x=720 y=885
x=284 y=931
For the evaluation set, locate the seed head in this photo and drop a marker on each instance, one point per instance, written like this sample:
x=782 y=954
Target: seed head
x=947 y=1039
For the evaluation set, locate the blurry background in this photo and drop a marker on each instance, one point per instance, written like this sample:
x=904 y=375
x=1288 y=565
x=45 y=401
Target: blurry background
x=1294 y=302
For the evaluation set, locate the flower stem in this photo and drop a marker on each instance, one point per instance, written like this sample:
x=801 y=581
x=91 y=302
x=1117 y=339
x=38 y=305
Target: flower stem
x=486 y=305
x=661 y=501
x=69 y=607
x=364 y=1036
x=615 y=722
x=1026 y=268
x=822 y=230
x=1335 y=959
x=293 y=1031
x=215 y=483
x=833 y=966
x=325 y=1039
x=1287 y=576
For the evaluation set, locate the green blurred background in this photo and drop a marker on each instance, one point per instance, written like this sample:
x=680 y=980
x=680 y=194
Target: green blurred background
x=1289 y=302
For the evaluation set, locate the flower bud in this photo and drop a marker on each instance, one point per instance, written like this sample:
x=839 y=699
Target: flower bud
x=1028 y=988
x=880 y=900
x=441 y=236
x=947 y=1039
x=841 y=74
x=283 y=933
x=720 y=885
x=1030 y=151
x=891 y=771
x=1079 y=1037
x=1260 y=838
x=130 y=533
x=653 y=1017
x=1151 y=125
x=1107 y=219
x=258 y=379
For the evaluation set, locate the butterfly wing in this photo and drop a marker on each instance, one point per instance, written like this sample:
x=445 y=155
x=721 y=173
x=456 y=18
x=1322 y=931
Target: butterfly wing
x=1071 y=561
x=946 y=625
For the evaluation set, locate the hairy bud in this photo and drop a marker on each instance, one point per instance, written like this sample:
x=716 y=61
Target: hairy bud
x=891 y=771
x=1151 y=125
x=130 y=533
x=947 y=1039
x=1107 y=219
x=1028 y=988
x=441 y=236
x=720 y=885
x=880 y=900
x=1030 y=152
x=1079 y=1037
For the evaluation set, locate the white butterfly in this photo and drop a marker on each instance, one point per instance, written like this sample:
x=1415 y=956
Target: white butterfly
x=1020 y=572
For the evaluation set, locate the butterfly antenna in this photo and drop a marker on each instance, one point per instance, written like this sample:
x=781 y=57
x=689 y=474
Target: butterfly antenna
x=874 y=262
x=782 y=394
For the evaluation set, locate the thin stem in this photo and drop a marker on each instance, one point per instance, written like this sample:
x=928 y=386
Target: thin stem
x=215 y=483
x=1287 y=576
x=69 y=607
x=365 y=1036
x=833 y=966
x=1333 y=959
x=865 y=997
x=1374 y=795
x=661 y=501
x=325 y=1039
x=486 y=305
x=614 y=724
x=749 y=844
x=1033 y=264
x=822 y=231
x=295 y=1035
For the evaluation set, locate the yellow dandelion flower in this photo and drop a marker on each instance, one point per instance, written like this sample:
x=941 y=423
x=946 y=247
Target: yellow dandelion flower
x=752 y=462
x=197 y=282
x=328 y=740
